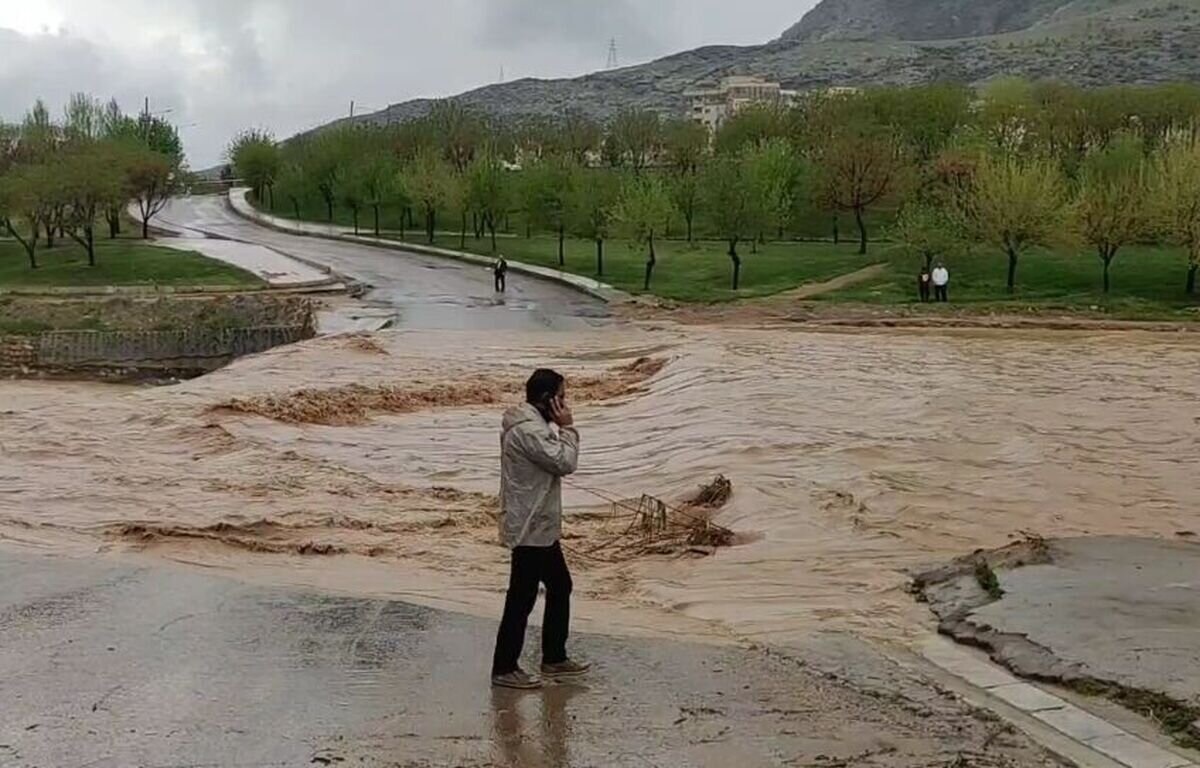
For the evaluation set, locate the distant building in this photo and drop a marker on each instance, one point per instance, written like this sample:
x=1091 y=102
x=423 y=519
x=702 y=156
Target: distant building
x=712 y=107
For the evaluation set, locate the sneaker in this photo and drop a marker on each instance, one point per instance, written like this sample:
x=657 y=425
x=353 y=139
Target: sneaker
x=566 y=670
x=517 y=680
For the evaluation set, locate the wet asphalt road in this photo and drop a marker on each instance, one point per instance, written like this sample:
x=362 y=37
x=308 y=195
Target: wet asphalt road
x=104 y=663
x=423 y=292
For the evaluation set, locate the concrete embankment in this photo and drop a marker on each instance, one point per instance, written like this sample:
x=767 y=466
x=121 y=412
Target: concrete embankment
x=1108 y=616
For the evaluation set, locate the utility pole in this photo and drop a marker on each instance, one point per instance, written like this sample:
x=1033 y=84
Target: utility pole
x=351 y=109
x=613 y=61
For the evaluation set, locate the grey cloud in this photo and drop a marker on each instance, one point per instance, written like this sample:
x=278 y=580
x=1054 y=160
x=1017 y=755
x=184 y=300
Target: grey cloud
x=517 y=23
x=288 y=65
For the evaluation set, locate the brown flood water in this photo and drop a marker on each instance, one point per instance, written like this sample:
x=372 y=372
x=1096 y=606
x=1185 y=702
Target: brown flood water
x=855 y=457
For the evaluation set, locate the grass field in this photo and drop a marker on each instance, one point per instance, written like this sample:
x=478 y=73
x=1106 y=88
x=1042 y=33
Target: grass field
x=696 y=272
x=123 y=262
x=1147 y=282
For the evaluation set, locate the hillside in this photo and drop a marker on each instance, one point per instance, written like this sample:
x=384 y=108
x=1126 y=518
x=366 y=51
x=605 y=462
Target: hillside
x=895 y=42
x=930 y=19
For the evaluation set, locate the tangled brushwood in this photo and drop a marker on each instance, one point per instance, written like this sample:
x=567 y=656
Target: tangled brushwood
x=650 y=526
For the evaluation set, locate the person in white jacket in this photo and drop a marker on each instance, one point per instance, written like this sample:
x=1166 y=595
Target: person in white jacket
x=534 y=457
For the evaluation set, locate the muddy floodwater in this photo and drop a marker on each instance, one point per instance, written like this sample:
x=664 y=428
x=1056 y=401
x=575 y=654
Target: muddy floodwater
x=855 y=457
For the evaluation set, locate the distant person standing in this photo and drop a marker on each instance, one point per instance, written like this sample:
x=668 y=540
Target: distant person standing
x=500 y=272
x=924 y=281
x=941 y=283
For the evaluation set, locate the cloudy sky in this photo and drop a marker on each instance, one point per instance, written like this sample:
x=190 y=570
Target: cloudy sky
x=286 y=65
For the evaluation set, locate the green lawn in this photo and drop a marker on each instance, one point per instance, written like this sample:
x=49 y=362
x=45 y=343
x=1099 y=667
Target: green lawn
x=123 y=262
x=1147 y=282
x=698 y=272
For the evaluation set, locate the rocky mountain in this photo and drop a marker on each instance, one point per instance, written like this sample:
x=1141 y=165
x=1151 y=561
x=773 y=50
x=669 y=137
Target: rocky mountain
x=898 y=42
x=929 y=19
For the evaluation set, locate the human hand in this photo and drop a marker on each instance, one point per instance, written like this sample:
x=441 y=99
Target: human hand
x=561 y=413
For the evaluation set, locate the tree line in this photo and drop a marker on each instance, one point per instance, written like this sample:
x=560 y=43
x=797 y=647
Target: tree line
x=1005 y=169
x=61 y=178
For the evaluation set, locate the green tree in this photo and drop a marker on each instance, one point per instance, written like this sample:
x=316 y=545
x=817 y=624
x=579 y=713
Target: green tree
x=733 y=205
x=1006 y=113
x=26 y=193
x=643 y=210
x=426 y=180
x=84 y=119
x=291 y=182
x=257 y=160
x=1176 y=200
x=460 y=130
x=1016 y=204
x=91 y=181
x=685 y=145
x=488 y=191
x=751 y=126
x=1113 y=205
x=924 y=118
x=857 y=169
x=635 y=138
x=594 y=196
x=774 y=172
x=153 y=178
x=324 y=161
x=929 y=233
x=577 y=136
x=352 y=193
x=548 y=194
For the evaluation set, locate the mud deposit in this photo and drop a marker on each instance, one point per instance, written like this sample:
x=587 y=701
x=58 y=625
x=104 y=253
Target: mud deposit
x=355 y=403
x=856 y=458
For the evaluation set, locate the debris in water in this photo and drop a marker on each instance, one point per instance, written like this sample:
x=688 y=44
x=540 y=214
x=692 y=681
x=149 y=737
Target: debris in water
x=714 y=495
x=653 y=527
x=363 y=342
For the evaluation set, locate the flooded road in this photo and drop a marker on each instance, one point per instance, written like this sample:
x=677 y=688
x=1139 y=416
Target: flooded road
x=854 y=456
x=420 y=291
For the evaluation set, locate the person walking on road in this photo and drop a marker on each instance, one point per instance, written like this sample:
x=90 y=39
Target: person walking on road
x=941 y=283
x=539 y=446
x=500 y=272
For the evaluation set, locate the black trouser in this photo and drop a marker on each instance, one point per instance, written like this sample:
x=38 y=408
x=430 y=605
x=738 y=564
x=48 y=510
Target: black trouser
x=531 y=566
x=942 y=292
x=501 y=283
x=923 y=289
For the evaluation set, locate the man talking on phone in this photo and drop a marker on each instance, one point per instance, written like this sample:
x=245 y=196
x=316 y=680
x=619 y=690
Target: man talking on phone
x=538 y=447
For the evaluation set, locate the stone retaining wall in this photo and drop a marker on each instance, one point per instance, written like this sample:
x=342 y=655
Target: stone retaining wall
x=134 y=354
x=17 y=353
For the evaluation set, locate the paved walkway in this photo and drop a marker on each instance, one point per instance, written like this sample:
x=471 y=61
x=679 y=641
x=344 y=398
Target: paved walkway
x=413 y=290
x=274 y=268
x=238 y=200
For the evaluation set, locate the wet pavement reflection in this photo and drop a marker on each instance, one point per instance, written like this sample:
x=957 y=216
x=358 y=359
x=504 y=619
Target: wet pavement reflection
x=104 y=663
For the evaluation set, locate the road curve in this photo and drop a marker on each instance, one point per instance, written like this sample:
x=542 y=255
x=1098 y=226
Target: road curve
x=423 y=292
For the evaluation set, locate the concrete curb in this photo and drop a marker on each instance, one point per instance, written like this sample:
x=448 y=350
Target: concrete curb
x=240 y=205
x=1111 y=745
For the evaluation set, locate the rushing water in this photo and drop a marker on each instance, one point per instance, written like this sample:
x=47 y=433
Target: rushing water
x=855 y=458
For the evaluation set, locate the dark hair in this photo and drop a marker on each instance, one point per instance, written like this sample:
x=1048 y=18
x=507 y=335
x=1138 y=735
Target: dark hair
x=542 y=385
